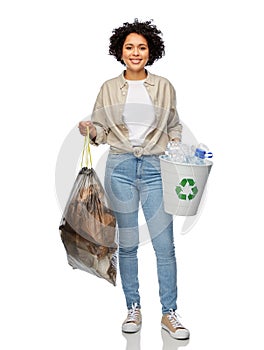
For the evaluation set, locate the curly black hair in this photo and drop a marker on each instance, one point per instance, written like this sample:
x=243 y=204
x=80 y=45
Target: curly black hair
x=146 y=29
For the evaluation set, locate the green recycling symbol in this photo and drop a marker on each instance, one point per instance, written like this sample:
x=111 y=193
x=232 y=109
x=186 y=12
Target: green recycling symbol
x=180 y=189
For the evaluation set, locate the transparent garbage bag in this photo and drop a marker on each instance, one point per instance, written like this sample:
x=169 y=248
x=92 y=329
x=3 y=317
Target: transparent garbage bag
x=88 y=226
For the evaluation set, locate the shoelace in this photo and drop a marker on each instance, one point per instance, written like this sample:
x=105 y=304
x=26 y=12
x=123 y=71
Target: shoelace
x=133 y=314
x=174 y=320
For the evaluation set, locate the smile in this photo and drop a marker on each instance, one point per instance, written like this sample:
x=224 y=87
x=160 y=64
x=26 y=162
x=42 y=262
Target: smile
x=135 y=60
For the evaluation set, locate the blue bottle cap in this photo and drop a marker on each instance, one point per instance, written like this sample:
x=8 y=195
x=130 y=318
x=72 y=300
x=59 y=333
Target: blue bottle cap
x=209 y=155
x=200 y=153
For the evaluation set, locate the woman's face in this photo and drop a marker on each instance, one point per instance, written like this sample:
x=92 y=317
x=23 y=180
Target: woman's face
x=135 y=52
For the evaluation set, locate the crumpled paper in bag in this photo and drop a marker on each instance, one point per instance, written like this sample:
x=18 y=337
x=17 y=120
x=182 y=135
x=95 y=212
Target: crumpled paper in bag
x=88 y=228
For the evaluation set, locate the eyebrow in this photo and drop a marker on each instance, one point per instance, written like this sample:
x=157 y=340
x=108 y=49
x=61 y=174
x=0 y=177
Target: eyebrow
x=138 y=44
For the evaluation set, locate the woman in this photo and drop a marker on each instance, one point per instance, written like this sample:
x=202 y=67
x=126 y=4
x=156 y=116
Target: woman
x=135 y=113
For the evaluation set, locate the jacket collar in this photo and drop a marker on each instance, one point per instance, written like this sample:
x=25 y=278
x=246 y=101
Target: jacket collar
x=150 y=80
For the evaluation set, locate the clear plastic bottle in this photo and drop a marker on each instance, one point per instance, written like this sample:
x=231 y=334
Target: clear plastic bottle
x=188 y=151
x=174 y=152
x=201 y=153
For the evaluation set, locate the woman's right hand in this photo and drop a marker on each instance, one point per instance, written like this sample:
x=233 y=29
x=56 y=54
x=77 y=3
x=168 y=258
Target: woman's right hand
x=83 y=129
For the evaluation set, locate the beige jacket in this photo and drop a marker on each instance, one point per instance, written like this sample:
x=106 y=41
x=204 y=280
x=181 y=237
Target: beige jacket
x=107 y=116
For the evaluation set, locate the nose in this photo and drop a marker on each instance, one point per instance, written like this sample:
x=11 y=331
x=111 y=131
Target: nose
x=136 y=51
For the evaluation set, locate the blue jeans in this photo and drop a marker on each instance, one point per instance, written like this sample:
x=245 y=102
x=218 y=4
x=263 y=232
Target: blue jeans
x=128 y=181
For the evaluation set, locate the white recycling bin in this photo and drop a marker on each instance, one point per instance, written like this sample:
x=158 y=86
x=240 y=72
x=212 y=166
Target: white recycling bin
x=183 y=186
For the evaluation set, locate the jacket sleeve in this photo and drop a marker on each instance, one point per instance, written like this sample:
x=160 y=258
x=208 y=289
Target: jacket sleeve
x=174 y=126
x=99 y=120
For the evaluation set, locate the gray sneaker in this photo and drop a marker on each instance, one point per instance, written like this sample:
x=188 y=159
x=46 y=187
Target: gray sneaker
x=132 y=323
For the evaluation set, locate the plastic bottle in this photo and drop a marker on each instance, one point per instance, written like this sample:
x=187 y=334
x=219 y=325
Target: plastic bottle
x=201 y=153
x=174 y=152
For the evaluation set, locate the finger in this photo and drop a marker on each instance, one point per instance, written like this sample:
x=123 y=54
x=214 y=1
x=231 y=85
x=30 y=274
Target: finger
x=82 y=130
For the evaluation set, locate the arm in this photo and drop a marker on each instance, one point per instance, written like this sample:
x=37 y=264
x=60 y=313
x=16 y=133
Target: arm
x=97 y=126
x=174 y=126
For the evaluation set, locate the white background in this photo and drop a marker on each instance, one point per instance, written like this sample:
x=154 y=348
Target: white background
x=54 y=57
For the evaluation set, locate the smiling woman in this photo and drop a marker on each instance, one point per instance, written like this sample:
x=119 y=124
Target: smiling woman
x=147 y=30
x=135 y=113
x=135 y=55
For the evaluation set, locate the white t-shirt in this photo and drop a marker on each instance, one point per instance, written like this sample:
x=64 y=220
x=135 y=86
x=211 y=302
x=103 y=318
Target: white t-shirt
x=139 y=114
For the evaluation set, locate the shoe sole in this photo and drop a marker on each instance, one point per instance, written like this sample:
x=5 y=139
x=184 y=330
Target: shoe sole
x=182 y=334
x=131 y=328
